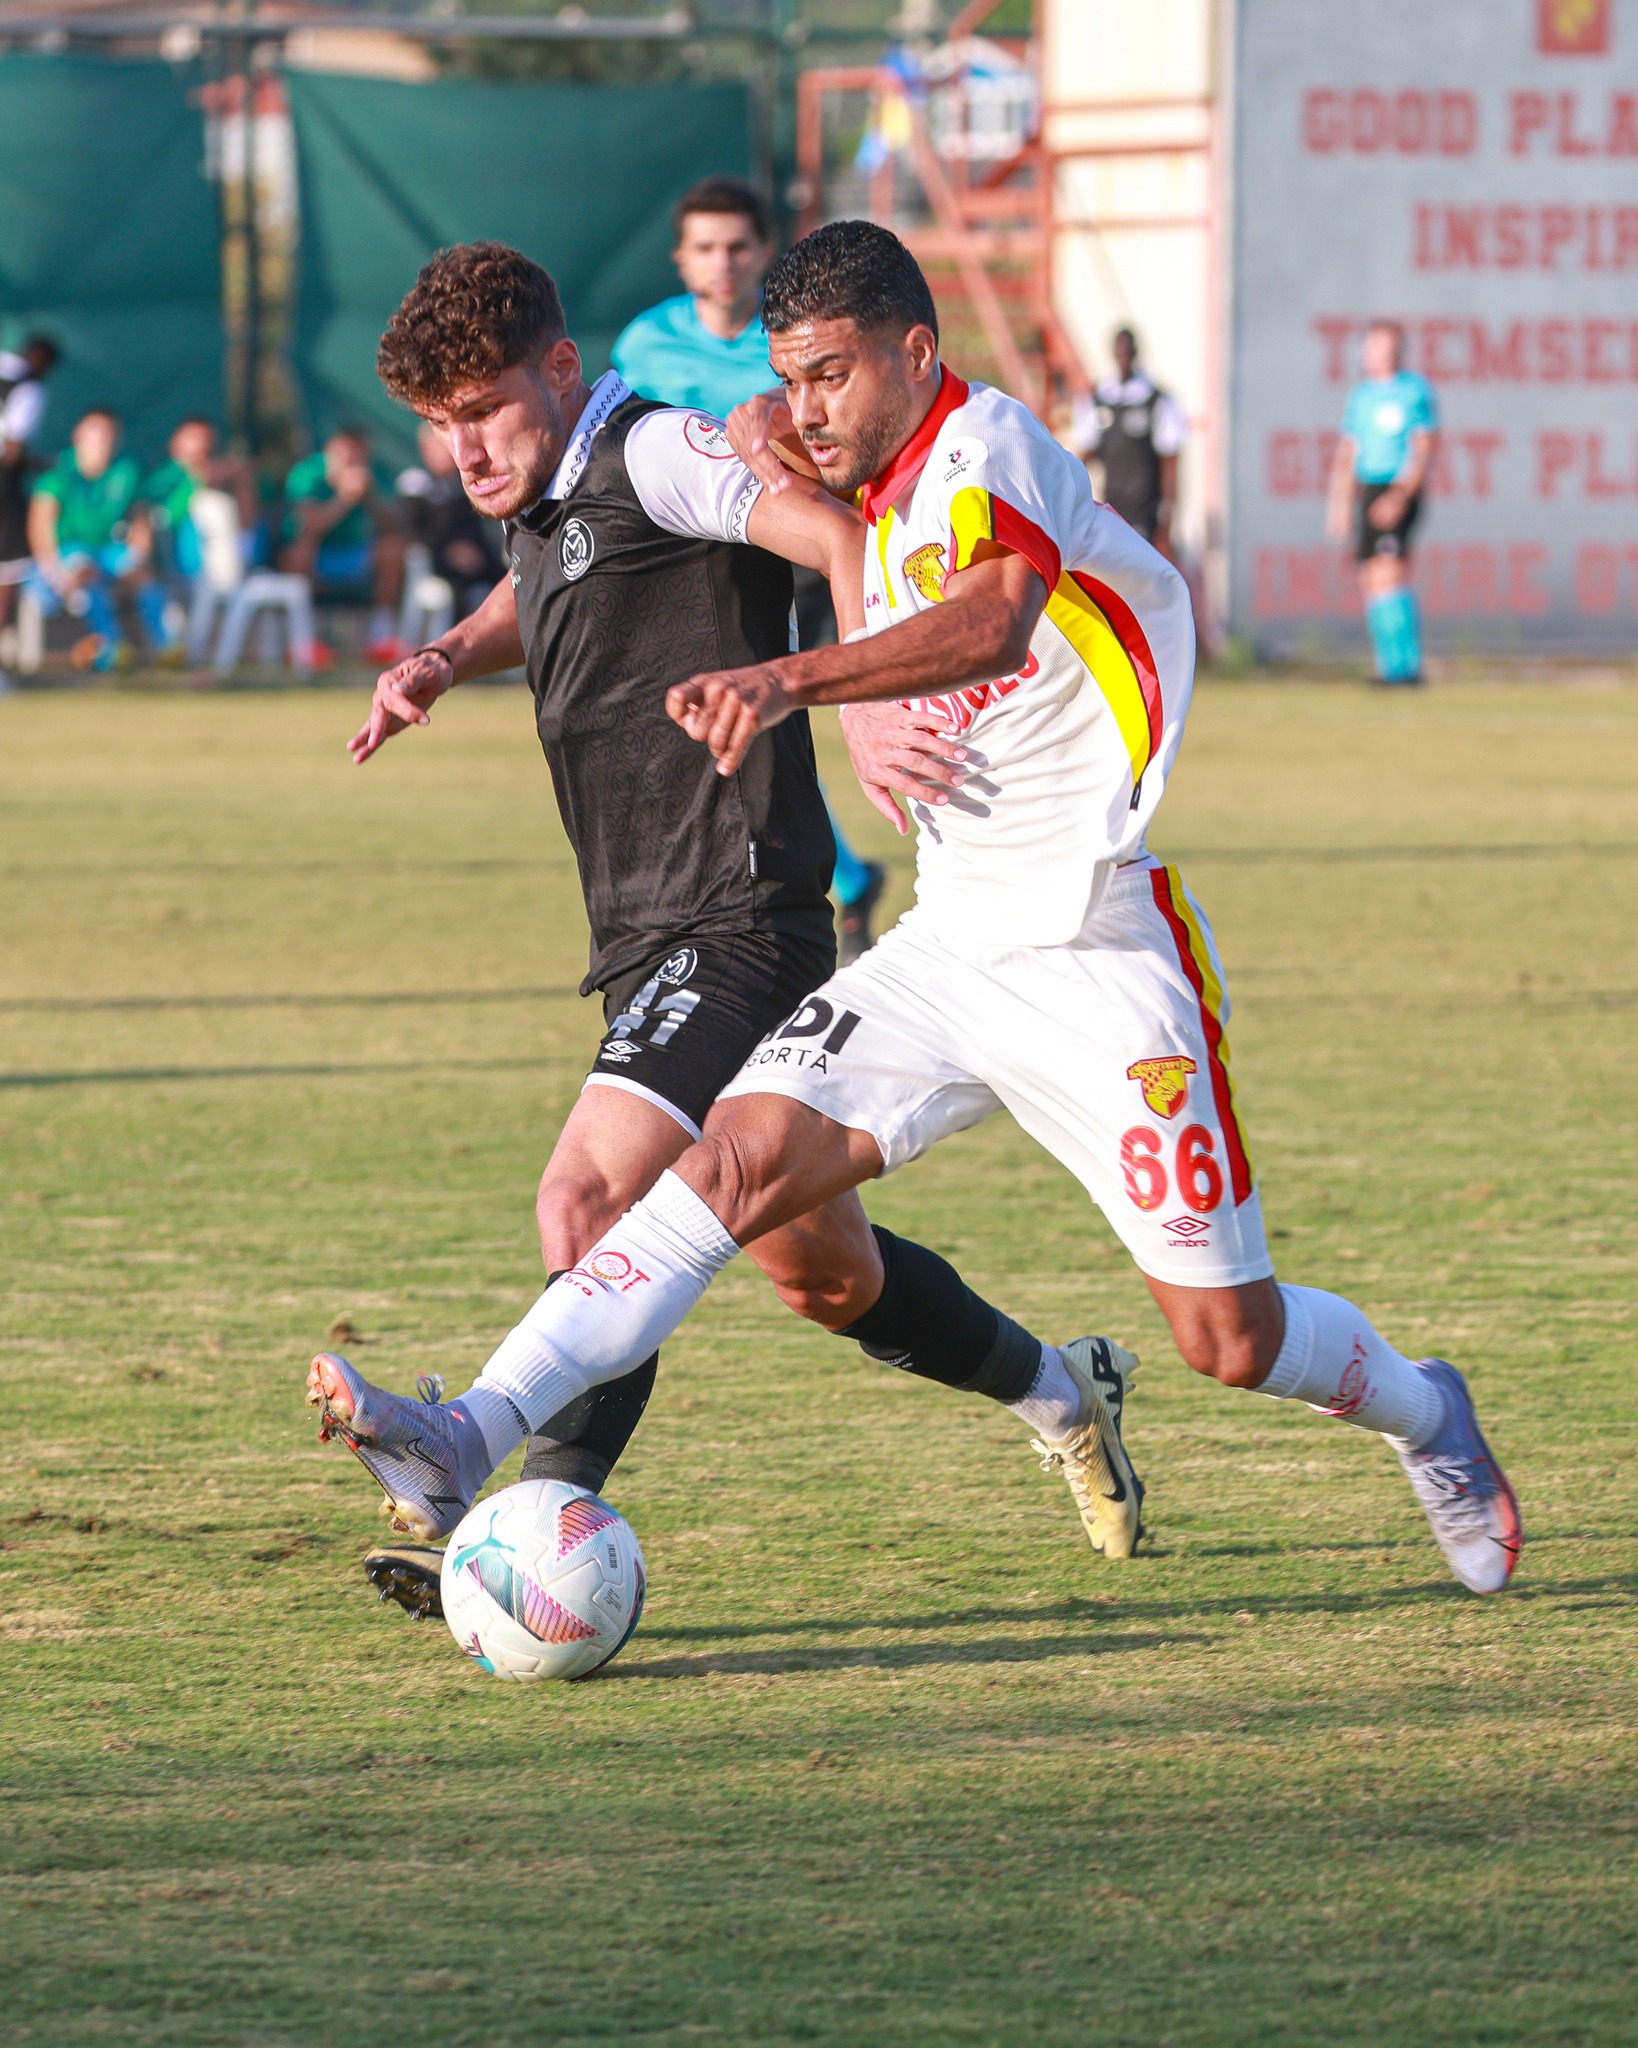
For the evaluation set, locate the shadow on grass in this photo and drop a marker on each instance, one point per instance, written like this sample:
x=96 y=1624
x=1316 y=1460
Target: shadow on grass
x=1612 y=1590
x=895 y=1656
x=329 y=999
x=320 y=1069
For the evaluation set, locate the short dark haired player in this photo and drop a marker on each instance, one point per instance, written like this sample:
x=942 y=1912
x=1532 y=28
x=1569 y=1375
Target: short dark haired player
x=1051 y=965
x=706 y=346
x=625 y=527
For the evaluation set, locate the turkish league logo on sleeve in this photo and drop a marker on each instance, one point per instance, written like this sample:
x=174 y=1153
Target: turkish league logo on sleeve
x=708 y=437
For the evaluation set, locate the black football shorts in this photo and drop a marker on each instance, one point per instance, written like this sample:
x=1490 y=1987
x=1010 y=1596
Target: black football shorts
x=682 y=1023
x=1391 y=541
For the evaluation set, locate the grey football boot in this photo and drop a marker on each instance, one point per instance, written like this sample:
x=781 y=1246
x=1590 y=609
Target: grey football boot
x=1464 y=1493
x=428 y=1457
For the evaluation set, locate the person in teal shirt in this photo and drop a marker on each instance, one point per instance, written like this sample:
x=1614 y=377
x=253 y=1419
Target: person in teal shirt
x=1380 y=467
x=706 y=348
x=90 y=542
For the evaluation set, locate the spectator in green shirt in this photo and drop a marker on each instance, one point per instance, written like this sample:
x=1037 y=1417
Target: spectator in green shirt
x=342 y=532
x=90 y=543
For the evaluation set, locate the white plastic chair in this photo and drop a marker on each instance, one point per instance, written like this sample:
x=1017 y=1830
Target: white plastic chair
x=270 y=596
x=428 y=609
x=215 y=518
x=261 y=597
x=30 y=632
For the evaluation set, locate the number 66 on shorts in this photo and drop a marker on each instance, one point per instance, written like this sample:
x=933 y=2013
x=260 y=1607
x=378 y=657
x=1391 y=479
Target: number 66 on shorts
x=1109 y=1051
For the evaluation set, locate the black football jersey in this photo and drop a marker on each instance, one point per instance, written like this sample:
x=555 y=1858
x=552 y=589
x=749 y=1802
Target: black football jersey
x=625 y=584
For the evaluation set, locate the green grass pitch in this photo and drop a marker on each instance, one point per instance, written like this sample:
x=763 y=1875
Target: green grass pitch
x=892 y=1760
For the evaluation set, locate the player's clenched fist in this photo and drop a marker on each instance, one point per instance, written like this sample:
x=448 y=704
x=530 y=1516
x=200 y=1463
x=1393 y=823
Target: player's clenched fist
x=402 y=696
x=763 y=435
x=727 y=710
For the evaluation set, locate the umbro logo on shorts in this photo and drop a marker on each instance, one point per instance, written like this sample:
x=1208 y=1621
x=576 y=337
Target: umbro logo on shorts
x=575 y=550
x=1186 y=1232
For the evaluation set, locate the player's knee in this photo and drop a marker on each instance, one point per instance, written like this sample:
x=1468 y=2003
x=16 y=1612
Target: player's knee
x=733 y=1169
x=1234 y=1353
x=721 y=1172
x=1232 y=1334
x=569 y=1219
x=814 y=1301
x=822 y=1293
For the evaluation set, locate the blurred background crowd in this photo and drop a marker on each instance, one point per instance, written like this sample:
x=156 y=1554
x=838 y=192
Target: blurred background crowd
x=1173 y=231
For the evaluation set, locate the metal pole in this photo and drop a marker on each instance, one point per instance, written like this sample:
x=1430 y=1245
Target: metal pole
x=252 y=248
x=787 y=35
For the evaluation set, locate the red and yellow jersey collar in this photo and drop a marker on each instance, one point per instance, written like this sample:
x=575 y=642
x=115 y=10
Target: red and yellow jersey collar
x=879 y=495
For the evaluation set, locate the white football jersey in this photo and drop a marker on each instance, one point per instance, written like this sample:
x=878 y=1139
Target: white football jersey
x=686 y=475
x=1070 y=755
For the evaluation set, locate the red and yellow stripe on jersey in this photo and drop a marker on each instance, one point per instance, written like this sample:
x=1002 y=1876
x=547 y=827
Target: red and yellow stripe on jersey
x=1194 y=955
x=1099 y=625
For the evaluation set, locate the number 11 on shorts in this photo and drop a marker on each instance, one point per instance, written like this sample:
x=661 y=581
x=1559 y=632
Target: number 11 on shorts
x=1194 y=1167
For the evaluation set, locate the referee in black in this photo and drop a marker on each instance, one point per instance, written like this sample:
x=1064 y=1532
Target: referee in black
x=626 y=525
x=1135 y=432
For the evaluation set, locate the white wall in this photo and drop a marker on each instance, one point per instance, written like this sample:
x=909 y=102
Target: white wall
x=1448 y=166
x=1155 y=276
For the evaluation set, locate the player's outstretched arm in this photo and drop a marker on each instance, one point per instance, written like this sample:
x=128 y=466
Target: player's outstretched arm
x=806 y=524
x=981 y=631
x=481 y=645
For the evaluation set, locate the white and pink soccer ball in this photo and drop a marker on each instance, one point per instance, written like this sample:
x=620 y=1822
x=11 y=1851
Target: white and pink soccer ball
x=543 y=1580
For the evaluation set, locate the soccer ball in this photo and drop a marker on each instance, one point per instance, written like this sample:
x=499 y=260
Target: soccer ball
x=542 y=1580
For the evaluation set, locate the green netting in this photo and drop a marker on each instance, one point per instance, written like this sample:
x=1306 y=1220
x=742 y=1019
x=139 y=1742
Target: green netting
x=580 y=177
x=109 y=238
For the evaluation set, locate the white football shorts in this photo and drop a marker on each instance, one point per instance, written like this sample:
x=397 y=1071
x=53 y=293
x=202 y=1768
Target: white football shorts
x=1110 y=1052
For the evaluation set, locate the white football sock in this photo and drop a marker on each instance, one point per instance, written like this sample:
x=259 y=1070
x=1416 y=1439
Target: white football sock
x=1334 y=1360
x=383 y=626
x=1053 y=1403
x=498 y=1417
x=621 y=1301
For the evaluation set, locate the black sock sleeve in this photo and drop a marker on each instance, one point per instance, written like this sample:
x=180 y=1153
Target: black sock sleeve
x=928 y=1321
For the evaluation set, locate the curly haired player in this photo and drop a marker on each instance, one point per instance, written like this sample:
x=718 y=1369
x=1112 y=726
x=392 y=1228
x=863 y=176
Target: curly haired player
x=641 y=550
x=1051 y=966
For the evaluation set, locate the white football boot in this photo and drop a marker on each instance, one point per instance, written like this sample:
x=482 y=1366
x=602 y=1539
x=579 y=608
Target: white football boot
x=1464 y=1492
x=428 y=1458
x=1091 y=1456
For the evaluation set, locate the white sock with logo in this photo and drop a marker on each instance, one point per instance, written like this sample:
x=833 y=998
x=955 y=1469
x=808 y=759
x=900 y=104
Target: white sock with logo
x=607 y=1314
x=497 y=1416
x=1054 y=1400
x=1335 y=1361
